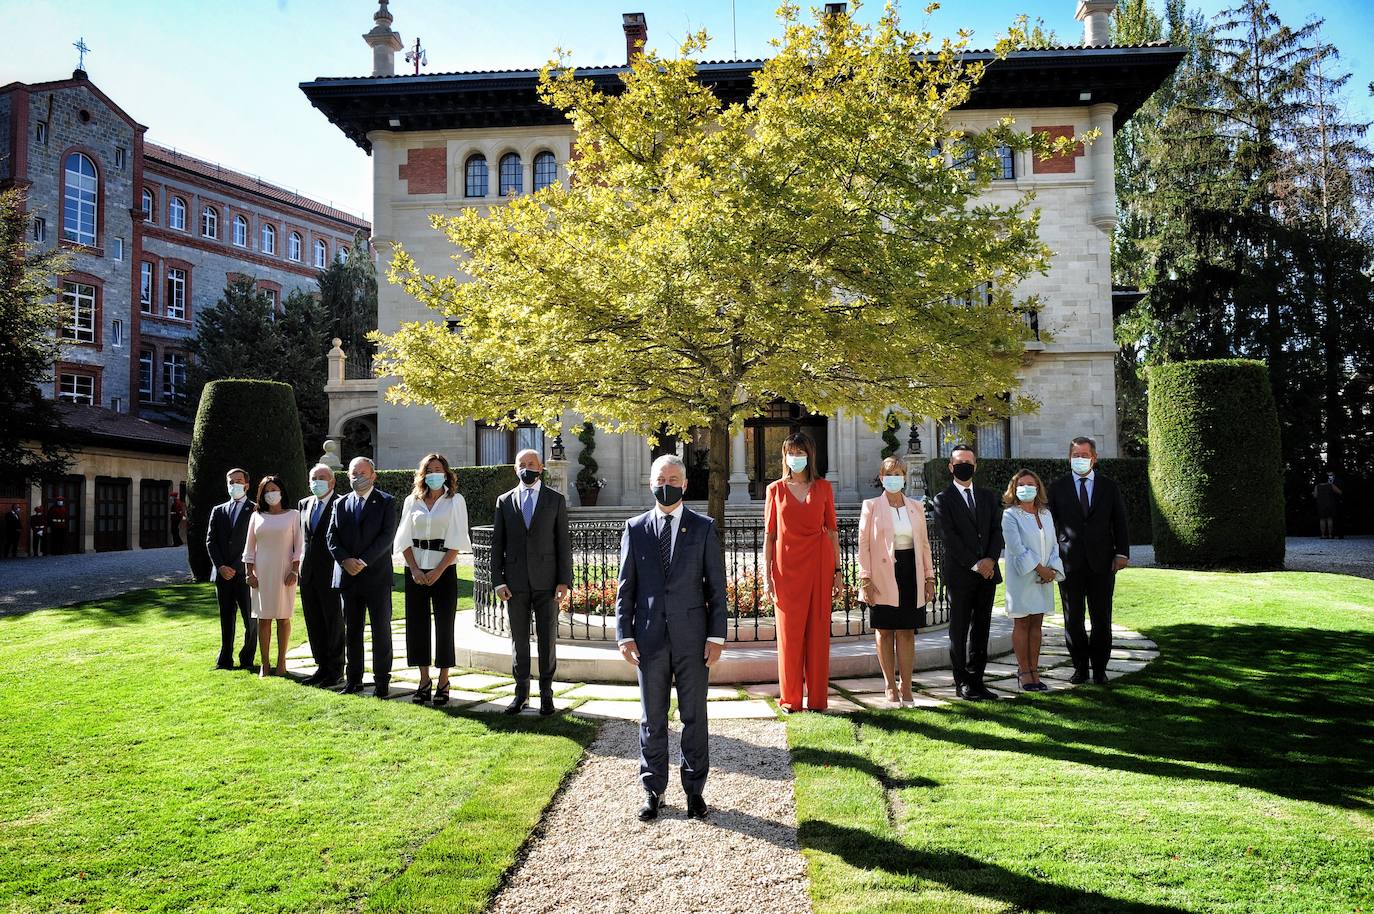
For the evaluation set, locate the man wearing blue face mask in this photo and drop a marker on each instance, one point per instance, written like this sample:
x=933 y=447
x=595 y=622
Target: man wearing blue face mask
x=1094 y=542
x=320 y=600
x=225 y=539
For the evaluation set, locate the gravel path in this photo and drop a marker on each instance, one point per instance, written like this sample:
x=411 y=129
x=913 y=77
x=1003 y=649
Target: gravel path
x=56 y=580
x=591 y=854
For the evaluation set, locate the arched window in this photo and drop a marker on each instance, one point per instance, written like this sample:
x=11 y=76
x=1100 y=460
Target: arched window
x=79 y=200
x=293 y=246
x=176 y=214
x=512 y=174
x=209 y=222
x=269 y=239
x=476 y=176
x=545 y=170
x=340 y=253
x=321 y=254
x=149 y=206
x=241 y=231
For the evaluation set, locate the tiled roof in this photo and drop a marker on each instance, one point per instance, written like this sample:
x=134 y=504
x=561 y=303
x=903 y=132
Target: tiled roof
x=96 y=424
x=176 y=159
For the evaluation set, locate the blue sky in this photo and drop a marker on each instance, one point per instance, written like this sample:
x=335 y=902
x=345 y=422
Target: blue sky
x=219 y=79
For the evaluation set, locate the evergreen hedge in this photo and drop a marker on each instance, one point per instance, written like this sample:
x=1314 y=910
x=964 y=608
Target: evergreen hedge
x=1216 y=469
x=1130 y=473
x=249 y=424
x=479 y=487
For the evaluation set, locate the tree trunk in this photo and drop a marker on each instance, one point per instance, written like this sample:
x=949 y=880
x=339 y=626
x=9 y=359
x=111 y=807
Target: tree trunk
x=718 y=462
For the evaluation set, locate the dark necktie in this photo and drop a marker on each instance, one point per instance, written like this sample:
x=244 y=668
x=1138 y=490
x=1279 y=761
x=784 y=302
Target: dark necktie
x=665 y=543
x=1083 y=494
x=234 y=515
x=968 y=496
x=315 y=516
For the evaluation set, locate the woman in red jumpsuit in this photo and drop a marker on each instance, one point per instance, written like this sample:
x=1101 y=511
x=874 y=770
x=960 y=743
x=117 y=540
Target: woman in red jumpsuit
x=802 y=570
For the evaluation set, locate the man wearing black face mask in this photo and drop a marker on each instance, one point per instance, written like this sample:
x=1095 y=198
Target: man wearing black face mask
x=970 y=520
x=531 y=569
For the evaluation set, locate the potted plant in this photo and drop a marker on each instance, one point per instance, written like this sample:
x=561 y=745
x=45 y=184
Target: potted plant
x=588 y=483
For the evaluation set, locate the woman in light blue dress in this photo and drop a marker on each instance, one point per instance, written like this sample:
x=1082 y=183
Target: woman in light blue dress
x=1033 y=567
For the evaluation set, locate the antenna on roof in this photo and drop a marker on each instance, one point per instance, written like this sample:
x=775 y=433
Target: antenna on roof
x=416 y=55
x=734 y=33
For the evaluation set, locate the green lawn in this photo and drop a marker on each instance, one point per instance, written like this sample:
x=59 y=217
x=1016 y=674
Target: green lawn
x=1235 y=774
x=134 y=777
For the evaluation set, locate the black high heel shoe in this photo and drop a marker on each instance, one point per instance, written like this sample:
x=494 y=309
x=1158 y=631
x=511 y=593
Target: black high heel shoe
x=421 y=694
x=441 y=695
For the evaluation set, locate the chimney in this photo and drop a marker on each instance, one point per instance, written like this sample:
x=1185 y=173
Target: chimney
x=383 y=42
x=636 y=35
x=1096 y=16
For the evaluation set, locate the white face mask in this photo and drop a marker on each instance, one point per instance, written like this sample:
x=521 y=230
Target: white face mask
x=796 y=462
x=319 y=487
x=236 y=490
x=1026 y=493
x=272 y=498
x=1081 y=465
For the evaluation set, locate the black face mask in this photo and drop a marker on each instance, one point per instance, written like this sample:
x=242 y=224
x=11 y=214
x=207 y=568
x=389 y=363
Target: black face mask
x=667 y=495
x=528 y=476
x=963 y=471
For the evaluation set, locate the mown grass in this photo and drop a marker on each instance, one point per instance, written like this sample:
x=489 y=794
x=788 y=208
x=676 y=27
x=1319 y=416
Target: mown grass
x=134 y=777
x=1234 y=774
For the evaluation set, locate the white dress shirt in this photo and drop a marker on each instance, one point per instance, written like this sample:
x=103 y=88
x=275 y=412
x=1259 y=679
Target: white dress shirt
x=902 y=535
x=966 y=493
x=447 y=521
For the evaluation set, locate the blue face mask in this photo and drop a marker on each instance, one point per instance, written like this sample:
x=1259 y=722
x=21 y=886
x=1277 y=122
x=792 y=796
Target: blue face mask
x=1081 y=465
x=235 y=490
x=796 y=462
x=319 y=488
x=894 y=483
x=435 y=480
x=1026 y=493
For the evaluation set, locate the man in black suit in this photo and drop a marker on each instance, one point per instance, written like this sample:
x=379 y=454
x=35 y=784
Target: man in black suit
x=320 y=601
x=224 y=540
x=361 y=528
x=14 y=523
x=1095 y=543
x=970 y=520
x=670 y=624
x=531 y=569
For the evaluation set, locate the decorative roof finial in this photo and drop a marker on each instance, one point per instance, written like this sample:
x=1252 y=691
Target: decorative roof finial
x=383 y=41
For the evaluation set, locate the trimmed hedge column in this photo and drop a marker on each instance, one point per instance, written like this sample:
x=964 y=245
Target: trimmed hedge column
x=1216 y=467
x=248 y=424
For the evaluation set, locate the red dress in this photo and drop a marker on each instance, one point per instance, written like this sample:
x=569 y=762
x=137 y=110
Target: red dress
x=803 y=578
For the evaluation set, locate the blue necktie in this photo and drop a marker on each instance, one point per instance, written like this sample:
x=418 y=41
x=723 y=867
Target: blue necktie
x=315 y=515
x=529 y=507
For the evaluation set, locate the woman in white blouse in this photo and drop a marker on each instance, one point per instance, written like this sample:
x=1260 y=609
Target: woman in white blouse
x=896 y=576
x=1033 y=565
x=433 y=528
x=272 y=567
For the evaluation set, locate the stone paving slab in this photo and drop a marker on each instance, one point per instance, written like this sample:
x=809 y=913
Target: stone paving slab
x=739 y=710
x=620 y=710
x=606 y=691
x=478 y=680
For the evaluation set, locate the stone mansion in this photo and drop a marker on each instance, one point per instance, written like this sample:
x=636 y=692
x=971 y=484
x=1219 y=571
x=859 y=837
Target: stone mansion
x=443 y=141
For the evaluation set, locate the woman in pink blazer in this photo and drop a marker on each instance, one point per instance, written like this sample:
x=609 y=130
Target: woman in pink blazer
x=896 y=576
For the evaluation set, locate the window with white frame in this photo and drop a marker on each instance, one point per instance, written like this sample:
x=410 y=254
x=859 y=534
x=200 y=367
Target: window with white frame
x=116 y=333
x=145 y=287
x=293 y=246
x=175 y=302
x=512 y=174
x=149 y=206
x=40 y=229
x=269 y=239
x=209 y=222
x=121 y=156
x=271 y=299
x=117 y=404
x=80 y=195
x=76 y=388
x=340 y=254
x=145 y=375
x=173 y=375
x=40 y=132
x=80 y=319
x=117 y=248
x=321 y=254
x=241 y=231
x=176 y=214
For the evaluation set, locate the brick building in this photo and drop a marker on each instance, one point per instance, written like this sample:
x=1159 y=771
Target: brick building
x=154 y=235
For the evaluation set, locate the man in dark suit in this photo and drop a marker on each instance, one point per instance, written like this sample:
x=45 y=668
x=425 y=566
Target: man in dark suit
x=531 y=569
x=361 y=528
x=14 y=523
x=320 y=601
x=1095 y=543
x=224 y=540
x=670 y=623
x=970 y=520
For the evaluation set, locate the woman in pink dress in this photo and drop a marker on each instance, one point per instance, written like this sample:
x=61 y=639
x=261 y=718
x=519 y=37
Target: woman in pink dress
x=272 y=562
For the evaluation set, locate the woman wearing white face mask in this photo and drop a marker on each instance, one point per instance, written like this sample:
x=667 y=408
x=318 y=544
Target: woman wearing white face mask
x=896 y=576
x=433 y=528
x=1033 y=565
x=272 y=562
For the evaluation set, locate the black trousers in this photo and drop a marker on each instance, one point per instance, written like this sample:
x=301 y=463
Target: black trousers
x=324 y=625
x=235 y=602
x=519 y=608
x=37 y=544
x=686 y=669
x=368 y=602
x=970 y=617
x=12 y=545
x=57 y=540
x=1096 y=590
x=439 y=599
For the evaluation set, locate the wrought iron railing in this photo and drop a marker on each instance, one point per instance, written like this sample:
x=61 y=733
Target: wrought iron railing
x=589 y=613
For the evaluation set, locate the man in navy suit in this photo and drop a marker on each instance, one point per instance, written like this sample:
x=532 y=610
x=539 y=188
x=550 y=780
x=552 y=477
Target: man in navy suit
x=224 y=540
x=670 y=623
x=361 y=529
x=970 y=521
x=320 y=601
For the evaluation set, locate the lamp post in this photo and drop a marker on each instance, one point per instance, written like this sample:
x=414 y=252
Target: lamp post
x=916 y=464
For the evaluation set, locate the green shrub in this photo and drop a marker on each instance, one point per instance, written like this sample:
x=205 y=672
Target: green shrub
x=479 y=487
x=247 y=424
x=586 y=477
x=1216 y=469
x=1130 y=473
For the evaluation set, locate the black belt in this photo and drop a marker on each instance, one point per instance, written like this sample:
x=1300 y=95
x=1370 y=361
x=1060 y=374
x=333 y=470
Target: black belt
x=429 y=545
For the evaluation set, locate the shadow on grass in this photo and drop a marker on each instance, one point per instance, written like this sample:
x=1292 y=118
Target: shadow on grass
x=1279 y=709
x=167 y=601
x=835 y=758
x=963 y=873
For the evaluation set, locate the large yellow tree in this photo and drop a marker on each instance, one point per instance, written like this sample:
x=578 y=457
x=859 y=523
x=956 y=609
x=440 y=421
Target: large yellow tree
x=819 y=243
